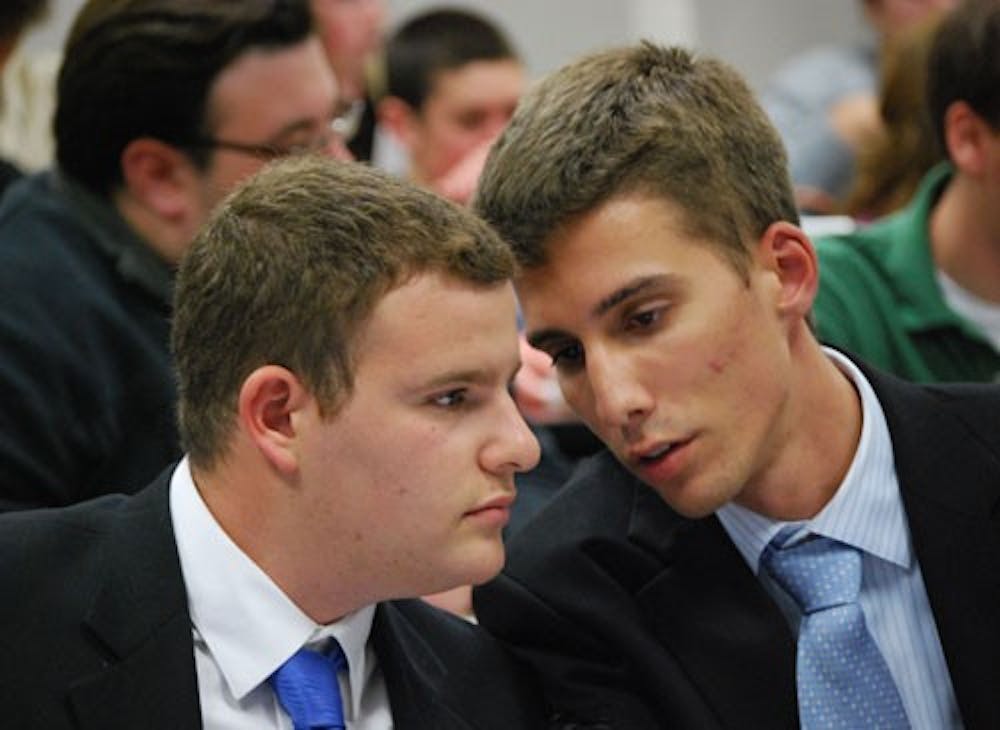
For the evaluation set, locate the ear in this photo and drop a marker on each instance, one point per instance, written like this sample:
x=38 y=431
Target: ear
x=159 y=176
x=965 y=135
x=269 y=402
x=400 y=119
x=786 y=252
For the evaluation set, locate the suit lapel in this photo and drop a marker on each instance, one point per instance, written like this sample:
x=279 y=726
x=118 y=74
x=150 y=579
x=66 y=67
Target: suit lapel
x=711 y=613
x=140 y=624
x=413 y=674
x=950 y=486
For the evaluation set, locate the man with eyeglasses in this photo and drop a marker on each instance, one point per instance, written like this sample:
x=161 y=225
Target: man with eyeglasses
x=163 y=106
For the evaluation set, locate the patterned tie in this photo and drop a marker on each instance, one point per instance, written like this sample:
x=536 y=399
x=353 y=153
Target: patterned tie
x=306 y=686
x=843 y=680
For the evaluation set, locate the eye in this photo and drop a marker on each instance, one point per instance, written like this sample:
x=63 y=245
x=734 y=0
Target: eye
x=644 y=319
x=568 y=357
x=450 y=399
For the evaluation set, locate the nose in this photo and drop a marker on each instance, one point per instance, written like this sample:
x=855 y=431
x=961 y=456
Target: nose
x=620 y=400
x=514 y=447
x=336 y=148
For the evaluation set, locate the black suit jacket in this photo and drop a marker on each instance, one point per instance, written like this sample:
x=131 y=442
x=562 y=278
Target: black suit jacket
x=96 y=633
x=638 y=618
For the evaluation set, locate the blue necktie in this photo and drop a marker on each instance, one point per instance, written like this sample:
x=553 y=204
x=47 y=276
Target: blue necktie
x=843 y=680
x=306 y=686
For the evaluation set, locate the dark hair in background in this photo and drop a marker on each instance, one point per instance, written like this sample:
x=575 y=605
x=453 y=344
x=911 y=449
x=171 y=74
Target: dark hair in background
x=964 y=64
x=144 y=68
x=435 y=41
x=16 y=15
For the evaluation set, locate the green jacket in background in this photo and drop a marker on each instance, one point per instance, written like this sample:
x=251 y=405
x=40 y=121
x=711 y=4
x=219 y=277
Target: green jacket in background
x=878 y=298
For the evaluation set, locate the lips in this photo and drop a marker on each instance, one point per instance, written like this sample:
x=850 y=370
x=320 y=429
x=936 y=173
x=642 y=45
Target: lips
x=656 y=453
x=650 y=453
x=498 y=504
x=660 y=461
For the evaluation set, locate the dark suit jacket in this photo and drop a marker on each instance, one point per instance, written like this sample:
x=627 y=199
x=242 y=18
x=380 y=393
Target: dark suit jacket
x=84 y=353
x=96 y=633
x=638 y=618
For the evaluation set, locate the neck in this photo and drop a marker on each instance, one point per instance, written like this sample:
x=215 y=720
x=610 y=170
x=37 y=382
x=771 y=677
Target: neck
x=816 y=442
x=261 y=512
x=965 y=242
x=169 y=240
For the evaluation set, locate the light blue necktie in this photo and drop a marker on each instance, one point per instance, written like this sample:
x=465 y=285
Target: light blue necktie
x=843 y=680
x=306 y=686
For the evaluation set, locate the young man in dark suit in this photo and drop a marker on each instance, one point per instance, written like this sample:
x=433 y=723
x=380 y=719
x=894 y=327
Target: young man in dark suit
x=344 y=345
x=675 y=580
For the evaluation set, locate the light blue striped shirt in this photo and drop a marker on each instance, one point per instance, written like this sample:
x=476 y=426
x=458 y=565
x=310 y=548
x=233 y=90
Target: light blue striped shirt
x=867 y=513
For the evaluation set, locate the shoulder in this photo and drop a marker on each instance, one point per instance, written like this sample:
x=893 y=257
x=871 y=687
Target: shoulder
x=463 y=667
x=52 y=559
x=970 y=408
x=596 y=505
x=44 y=246
x=605 y=533
x=863 y=266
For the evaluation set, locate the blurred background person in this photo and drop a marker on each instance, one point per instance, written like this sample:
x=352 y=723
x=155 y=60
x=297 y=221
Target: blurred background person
x=453 y=80
x=824 y=103
x=163 y=106
x=891 y=162
x=352 y=33
x=918 y=293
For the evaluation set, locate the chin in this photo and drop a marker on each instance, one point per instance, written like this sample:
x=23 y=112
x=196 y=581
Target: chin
x=691 y=506
x=485 y=567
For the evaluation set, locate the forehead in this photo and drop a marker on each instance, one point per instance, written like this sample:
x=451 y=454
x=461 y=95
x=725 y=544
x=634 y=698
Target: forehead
x=434 y=322
x=264 y=90
x=598 y=254
x=478 y=83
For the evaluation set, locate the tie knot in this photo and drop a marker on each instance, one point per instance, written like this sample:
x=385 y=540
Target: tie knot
x=306 y=686
x=818 y=573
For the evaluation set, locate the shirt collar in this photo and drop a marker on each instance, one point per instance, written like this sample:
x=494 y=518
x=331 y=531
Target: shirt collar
x=231 y=599
x=866 y=511
x=909 y=259
x=134 y=260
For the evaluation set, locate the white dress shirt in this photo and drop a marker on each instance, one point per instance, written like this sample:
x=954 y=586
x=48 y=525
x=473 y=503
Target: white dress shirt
x=867 y=513
x=245 y=627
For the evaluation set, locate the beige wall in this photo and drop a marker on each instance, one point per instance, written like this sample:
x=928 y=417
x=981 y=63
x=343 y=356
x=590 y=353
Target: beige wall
x=755 y=35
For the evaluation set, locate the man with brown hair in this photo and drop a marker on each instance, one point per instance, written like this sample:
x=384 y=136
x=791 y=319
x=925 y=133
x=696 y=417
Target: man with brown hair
x=344 y=346
x=163 y=106
x=453 y=79
x=677 y=580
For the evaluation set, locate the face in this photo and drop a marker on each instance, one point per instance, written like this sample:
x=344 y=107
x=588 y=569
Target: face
x=891 y=16
x=282 y=99
x=422 y=456
x=351 y=31
x=466 y=108
x=674 y=359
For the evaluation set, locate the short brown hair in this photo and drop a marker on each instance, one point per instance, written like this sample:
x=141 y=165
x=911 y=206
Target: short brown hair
x=644 y=119
x=289 y=269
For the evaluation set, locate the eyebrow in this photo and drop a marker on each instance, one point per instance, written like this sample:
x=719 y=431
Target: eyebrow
x=472 y=375
x=630 y=289
x=541 y=338
x=299 y=125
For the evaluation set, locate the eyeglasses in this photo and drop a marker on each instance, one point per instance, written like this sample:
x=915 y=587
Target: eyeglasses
x=342 y=126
